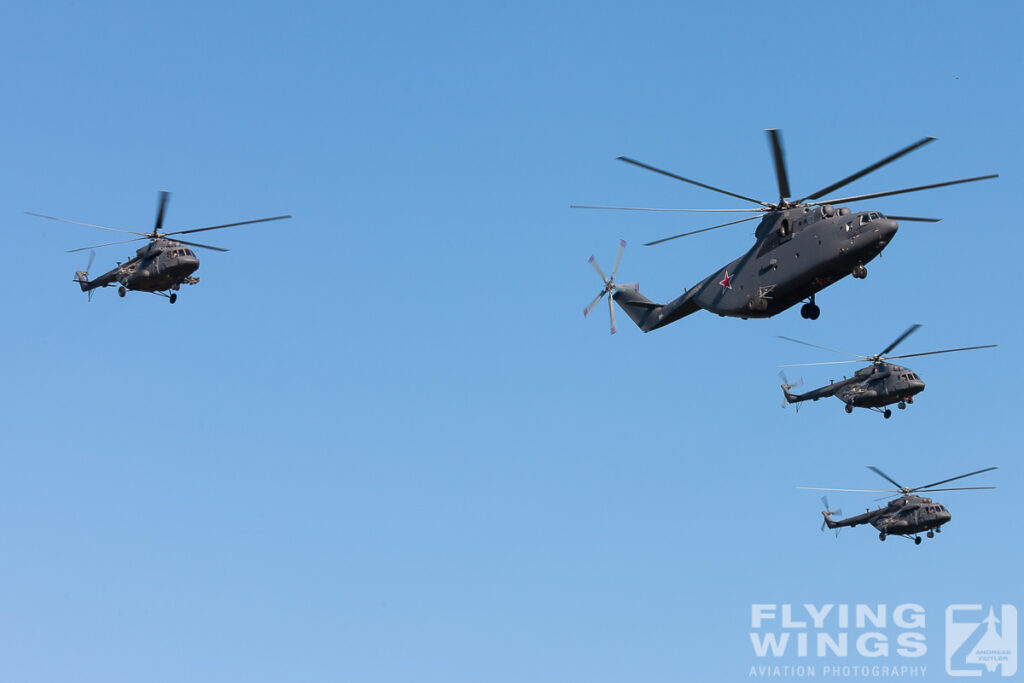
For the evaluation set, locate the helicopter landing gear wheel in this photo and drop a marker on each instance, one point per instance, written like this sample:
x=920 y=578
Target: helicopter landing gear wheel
x=887 y=414
x=172 y=298
x=121 y=291
x=810 y=311
x=849 y=408
x=931 y=534
x=902 y=405
x=860 y=272
x=917 y=540
x=881 y=536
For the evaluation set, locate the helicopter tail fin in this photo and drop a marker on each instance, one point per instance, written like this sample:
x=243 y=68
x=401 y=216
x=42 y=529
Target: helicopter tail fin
x=649 y=315
x=82 y=276
x=828 y=519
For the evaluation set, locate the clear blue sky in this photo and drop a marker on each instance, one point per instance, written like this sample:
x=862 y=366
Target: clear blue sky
x=379 y=442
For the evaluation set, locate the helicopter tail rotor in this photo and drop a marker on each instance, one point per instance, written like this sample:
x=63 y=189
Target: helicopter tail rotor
x=610 y=288
x=82 y=276
x=787 y=397
x=827 y=514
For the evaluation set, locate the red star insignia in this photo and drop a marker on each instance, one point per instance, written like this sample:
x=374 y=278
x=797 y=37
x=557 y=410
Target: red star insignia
x=726 y=281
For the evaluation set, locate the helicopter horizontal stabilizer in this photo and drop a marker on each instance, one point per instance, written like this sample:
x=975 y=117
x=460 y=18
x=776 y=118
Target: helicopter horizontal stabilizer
x=649 y=315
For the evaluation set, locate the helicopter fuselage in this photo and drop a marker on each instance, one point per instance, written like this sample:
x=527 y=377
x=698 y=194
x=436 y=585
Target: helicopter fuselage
x=885 y=384
x=159 y=266
x=877 y=385
x=907 y=515
x=799 y=252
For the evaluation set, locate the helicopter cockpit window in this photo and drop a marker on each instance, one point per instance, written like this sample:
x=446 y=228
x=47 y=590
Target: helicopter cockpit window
x=864 y=219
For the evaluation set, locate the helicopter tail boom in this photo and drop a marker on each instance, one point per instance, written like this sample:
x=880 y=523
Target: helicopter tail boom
x=828 y=520
x=82 y=278
x=649 y=315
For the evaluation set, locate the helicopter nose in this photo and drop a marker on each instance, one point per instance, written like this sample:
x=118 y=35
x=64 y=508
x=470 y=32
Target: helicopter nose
x=887 y=229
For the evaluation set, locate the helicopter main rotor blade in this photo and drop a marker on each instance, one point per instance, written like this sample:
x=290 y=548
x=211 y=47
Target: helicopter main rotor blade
x=875 y=195
x=649 y=208
x=694 y=232
x=914 y=218
x=887 y=478
x=590 y=308
x=108 y=244
x=962 y=488
x=828 y=362
x=226 y=225
x=824 y=348
x=611 y=311
x=692 y=182
x=913 y=328
x=946 y=481
x=161 y=209
x=819 y=488
x=863 y=172
x=931 y=353
x=618 y=259
x=775 y=139
x=88 y=225
x=201 y=246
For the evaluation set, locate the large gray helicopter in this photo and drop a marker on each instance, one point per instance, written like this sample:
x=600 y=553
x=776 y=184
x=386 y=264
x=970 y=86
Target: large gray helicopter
x=160 y=267
x=801 y=247
x=905 y=516
x=874 y=387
